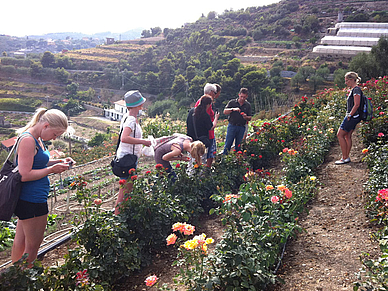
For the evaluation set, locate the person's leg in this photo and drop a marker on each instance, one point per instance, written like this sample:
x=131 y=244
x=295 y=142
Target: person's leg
x=211 y=153
x=239 y=137
x=18 y=243
x=230 y=136
x=33 y=231
x=124 y=189
x=348 y=138
x=343 y=143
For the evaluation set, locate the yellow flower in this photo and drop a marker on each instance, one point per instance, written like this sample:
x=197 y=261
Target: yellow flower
x=190 y=244
x=281 y=187
x=209 y=240
x=364 y=151
x=269 y=187
x=313 y=178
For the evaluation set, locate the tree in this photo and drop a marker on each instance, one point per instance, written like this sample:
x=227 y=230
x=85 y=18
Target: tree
x=380 y=53
x=48 y=60
x=211 y=15
x=306 y=72
x=297 y=80
x=146 y=33
x=179 y=85
x=156 y=31
x=365 y=65
x=231 y=67
x=62 y=75
x=255 y=81
x=339 y=77
x=72 y=89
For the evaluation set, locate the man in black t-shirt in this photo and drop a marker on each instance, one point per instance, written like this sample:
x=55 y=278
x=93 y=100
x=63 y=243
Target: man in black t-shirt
x=239 y=111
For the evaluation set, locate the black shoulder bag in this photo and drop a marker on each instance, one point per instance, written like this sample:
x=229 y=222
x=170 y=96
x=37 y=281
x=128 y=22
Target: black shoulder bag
x=10 y=186
x=121 y=167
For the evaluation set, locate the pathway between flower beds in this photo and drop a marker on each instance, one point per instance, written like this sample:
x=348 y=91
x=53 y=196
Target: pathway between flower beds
x=326 y=255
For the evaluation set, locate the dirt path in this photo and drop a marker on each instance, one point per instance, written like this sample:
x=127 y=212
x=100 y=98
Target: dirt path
x=326 y=256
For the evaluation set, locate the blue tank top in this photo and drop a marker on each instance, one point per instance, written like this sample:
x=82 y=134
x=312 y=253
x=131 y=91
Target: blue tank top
x=37 y=191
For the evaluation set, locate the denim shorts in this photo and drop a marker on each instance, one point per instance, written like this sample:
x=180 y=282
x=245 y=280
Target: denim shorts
x=349 y=125
x=25 y=209
x=211 y=151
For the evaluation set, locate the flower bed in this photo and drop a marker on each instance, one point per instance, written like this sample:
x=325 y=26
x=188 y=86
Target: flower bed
x=260 y=211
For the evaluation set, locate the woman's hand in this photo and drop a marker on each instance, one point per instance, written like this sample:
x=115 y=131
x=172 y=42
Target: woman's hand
x=146 y=142
x=59 y=168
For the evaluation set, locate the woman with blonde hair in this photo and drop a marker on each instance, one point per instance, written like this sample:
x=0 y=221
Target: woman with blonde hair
x=352 y=118
x=33 y=160
x=173 y=149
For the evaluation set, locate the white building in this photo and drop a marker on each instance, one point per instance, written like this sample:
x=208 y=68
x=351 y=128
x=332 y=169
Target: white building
x=117 y=112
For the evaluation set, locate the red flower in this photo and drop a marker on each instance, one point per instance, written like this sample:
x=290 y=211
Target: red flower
x=122 y=182
x=132 y=171
x=134 y=177
x=148 y=172
x=260 y=156
x=159 y=166
x=97 y=201
x=239 y=152
x=252 y=155
x=178 y=166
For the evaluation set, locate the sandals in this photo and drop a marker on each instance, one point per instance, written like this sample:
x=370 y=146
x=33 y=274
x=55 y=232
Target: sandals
x=342 y=161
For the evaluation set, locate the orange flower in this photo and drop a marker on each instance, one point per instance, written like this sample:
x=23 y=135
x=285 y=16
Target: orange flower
x=171 y=239
x=177 y=226
x=269 y=187
x=229 y=197
x=188 y=229
x=288 y=193
x=97 y=201
x=159 y=166
x=281 y=187
x=196 y=166
x=364 y=151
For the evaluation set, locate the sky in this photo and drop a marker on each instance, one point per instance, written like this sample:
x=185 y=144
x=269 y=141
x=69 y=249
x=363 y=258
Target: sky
x=26 y=17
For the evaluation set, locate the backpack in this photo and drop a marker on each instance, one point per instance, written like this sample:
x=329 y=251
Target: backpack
x=366 y=108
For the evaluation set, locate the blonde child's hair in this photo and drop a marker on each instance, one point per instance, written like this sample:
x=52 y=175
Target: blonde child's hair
x=54 y=117
x=353 y=76
x=197 y=151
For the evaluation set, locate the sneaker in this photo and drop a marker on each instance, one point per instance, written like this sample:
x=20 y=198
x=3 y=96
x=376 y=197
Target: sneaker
x=342 y=161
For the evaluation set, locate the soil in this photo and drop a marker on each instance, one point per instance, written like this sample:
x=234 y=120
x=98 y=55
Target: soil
x=323 y=257
x=326 y=255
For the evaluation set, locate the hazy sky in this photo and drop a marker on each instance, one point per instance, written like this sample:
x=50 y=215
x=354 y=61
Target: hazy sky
x=26 y=17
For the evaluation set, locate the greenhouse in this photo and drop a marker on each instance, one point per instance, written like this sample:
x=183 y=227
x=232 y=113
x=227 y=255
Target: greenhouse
x=341 y=50
x=351 y=38
x=349 y=41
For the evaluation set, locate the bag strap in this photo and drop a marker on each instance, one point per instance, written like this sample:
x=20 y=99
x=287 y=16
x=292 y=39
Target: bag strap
x=15 y=146
x=121 y=131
